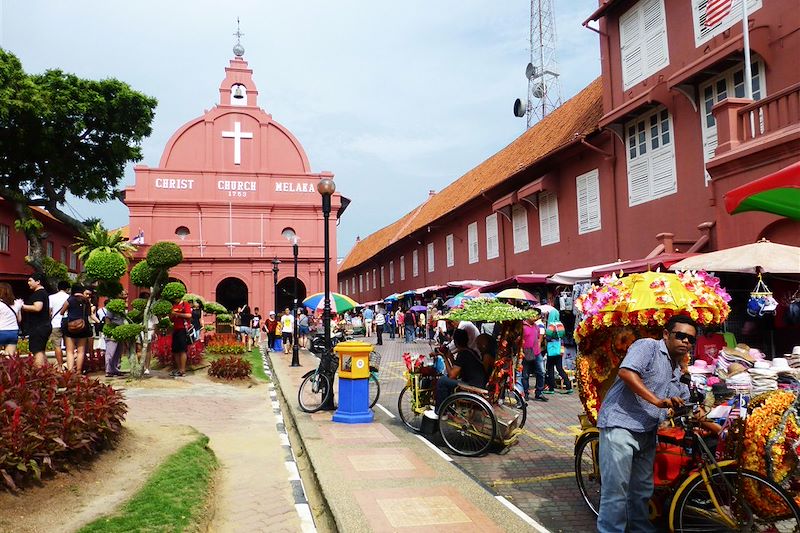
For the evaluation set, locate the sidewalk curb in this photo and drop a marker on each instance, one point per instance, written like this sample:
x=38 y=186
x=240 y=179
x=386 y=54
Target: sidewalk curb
x=301 y=504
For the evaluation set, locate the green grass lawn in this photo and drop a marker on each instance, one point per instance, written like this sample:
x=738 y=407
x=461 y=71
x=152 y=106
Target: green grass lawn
x=254 y=357
x=172 y=499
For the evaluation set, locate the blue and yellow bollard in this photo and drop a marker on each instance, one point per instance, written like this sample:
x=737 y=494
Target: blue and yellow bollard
x=353 y=383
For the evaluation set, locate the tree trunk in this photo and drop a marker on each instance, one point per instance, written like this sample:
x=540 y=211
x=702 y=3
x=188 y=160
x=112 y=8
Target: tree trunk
x=155 y=291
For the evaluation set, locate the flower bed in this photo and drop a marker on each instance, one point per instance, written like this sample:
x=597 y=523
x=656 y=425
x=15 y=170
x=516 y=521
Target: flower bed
x=162 y=350
x=50 y=418
x=224 y=344
x=232 y=367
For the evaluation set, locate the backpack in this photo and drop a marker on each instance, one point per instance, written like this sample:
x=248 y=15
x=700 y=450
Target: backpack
x=555 y=330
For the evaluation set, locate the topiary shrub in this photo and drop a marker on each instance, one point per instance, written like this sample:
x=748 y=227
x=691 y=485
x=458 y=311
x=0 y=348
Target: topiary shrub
x=232 y=367
x=173 y=291
x=134 y=315
x=164 y=255
x=126 y=332
x=117 y=306
x=139 y=304
x=165 y=324
x=214 y=308
x=54 y=270
x=103 y=265
x=49 y=419
x=161 y=308
x=107 y=329
x=110 y=288
x=224 y=318
x=143 y=275
x=189 y=297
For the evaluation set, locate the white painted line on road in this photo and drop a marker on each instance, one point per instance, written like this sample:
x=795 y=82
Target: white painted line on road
x=525 y=518
x=275 y=404
x=434 y=448
x=385 y=410
x=306 y=520
x=279 y=419
x=284 y=438
x=294 y=474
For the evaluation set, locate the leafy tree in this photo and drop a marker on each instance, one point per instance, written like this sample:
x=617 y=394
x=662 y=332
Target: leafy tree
x=61 y=134
x=98 y=238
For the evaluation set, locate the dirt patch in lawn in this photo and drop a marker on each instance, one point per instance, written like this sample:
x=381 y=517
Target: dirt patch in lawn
x=69 y=500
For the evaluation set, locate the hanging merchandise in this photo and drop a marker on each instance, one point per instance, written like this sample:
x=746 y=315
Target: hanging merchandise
x=761 y=300
x=565 y=301
x=792 y=316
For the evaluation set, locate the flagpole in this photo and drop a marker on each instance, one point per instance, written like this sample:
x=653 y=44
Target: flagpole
x=748 y=71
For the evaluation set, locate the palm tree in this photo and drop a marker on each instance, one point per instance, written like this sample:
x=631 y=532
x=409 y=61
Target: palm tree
x=97 y=237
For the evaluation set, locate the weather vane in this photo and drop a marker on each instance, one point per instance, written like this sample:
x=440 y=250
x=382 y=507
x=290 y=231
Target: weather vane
x=238 y=49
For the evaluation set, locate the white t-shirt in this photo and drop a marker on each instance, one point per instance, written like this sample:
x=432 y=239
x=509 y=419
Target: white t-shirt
x=287 y=323
x=472 y=334
x=380 y=320
x=8 y=318
x=56 y=301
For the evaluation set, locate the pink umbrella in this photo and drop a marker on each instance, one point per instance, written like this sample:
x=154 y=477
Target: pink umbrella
x=517 y=294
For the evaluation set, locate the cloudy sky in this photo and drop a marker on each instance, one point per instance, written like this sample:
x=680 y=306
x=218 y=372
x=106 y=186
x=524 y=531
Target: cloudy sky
x=395 y=98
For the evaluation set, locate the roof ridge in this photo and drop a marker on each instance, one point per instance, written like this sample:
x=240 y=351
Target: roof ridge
x=409 y=218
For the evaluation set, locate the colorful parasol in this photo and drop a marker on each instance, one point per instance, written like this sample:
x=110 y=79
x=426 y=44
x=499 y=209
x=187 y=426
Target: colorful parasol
x=392 y=298
x=761 y=256
x=516 y=294
x=777 y=193
x=339 y=302
x=650 y=299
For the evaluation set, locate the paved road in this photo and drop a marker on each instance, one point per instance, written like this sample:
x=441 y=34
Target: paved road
x=537 y=474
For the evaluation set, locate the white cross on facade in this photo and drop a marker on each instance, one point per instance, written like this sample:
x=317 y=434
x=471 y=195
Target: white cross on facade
x=237 y=135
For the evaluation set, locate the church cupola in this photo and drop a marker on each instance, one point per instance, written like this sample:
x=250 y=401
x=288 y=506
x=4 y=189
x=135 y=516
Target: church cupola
x=238 y=88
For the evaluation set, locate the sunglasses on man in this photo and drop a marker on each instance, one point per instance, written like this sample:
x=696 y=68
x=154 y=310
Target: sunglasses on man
x=681 y=336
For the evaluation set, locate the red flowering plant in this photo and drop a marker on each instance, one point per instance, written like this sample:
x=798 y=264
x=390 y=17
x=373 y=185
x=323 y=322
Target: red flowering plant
x=49 y=418
x=162 y=350
x=233 y=367
x=225 y=344
x=413 y=365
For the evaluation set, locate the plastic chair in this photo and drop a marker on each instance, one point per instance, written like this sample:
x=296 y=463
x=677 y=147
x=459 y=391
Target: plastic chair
x=730 y=339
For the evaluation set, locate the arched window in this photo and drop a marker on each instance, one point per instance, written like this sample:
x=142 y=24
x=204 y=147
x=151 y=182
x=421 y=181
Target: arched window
x=288 y=234
x=182 y=232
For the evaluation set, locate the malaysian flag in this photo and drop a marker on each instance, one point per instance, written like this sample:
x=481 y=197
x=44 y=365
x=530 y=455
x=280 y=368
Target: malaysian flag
x=716 y=10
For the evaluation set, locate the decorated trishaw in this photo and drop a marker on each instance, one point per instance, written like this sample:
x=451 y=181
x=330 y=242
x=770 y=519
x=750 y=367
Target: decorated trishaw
x=743 y=482
x=473 y=419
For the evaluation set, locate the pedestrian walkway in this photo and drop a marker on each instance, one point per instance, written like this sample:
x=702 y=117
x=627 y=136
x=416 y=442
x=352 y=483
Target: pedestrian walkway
x=380 y=477
x=253 y=491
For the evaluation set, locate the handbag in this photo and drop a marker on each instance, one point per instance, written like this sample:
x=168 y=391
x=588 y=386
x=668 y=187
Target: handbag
x=76 y=326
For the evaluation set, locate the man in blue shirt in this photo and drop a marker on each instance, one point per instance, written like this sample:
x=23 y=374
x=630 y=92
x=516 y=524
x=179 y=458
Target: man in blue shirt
x=647 y=383
x=368 y=316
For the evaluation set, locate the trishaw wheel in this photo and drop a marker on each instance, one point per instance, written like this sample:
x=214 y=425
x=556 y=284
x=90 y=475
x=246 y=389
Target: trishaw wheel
x=410 y=414
x=374 y=389
x=587 y=470
x=314 y=392
x=516 y=400
x=467 y=424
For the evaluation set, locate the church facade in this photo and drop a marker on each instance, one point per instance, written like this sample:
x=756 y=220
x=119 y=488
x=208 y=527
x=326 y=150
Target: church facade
x=234 y=189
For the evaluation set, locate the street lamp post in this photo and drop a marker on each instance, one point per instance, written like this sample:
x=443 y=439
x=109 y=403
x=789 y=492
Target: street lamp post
x=295 y=348
x=326 y=187
x=275 y=263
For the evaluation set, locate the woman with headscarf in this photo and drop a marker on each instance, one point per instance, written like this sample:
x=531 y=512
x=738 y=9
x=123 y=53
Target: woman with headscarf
x=554 y=333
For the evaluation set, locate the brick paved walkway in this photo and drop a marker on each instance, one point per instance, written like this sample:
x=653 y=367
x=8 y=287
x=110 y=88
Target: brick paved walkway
x=537 y=474
x=253 y=491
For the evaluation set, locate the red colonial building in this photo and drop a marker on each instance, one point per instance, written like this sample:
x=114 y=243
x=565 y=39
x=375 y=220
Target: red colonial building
x=637 y=162
x=57 y=243
x=233 y=188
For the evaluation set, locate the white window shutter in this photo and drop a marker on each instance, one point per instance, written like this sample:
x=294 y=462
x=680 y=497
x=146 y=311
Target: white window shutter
x=548 y=218
x=431 y=258
x=415 y=263
x=391 y=272
x=663 y=172
x=588 y=193
x=402 y=268
x=472 y=238
x=519 y=220
x=630 y=36
x=638 y=181
x=655 y=29
x=492 y=243
x=450 y=250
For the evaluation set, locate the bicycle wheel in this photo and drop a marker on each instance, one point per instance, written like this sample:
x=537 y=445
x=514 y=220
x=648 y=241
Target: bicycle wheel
x=467 y=424
x=516 y=401
x=374 y=389
x=745 y=501
x=410 y=413
x=587 y=470
x=314 y=391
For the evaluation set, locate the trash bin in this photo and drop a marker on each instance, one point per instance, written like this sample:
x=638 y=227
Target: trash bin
x=353 y=383
x=277 y=346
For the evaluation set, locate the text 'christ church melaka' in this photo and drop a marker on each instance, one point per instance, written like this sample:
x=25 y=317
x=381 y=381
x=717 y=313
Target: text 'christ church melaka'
x=233 y=188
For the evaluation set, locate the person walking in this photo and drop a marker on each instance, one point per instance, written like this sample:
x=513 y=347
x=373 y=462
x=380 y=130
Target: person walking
x=533 y=360
x=36 y=318
x=554 y=347
x=9 y=319
x=287 y=330
x=56 y=335
x=647 y=383
x=399 y=317
x=180 y=315
x=302 y=328
x=269 y=326
x=245 y=317
x=76 y=311
x=368 y=315
x=197 y=320
x=380 y=321
x=391 y=323
x=410 y=324
x=255 y=326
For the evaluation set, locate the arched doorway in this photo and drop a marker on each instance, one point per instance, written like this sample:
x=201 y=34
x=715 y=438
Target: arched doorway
x=286 y=293
x=232 y=293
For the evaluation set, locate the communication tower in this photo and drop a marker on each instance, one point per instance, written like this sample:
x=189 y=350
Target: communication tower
x=544 y=87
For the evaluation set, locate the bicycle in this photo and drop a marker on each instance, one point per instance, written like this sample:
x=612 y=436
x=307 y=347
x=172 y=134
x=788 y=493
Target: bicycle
x=707 y=495
x=316 y=387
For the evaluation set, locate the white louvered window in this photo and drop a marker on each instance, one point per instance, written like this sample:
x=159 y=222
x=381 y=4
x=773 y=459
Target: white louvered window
x=354 y=284
x=492 y=243
x=588 y=187
x=548 y=218
x=383 y=279
x=703 y=33
x=361 y=283
x=347 y=286
x=431 y=258
x=651 y=157
x=73 y=261
x=643 y=41
x=366 y=281
x=402 y=268
x=519 y=222
x=50 y=249
x=391 y=272
x=717 y=89
x=415 y=263
x=374 y=278
x=451 y=255
x=472 y=240
x=5 y=231
x=341 y=288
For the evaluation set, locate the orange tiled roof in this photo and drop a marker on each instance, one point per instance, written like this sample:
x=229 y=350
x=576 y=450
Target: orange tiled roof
x=577 y=116
x=125 y=230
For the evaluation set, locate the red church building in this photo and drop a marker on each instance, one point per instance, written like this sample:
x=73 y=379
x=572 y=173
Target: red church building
x=234 y=188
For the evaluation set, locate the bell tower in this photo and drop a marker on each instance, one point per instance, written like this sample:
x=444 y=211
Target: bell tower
x=238 y=88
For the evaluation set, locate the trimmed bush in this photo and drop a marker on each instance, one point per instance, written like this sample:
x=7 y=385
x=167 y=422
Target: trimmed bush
x=161 y=308
x=214 y=308
x=143 y=275
x=139 y=304
x=134 y=315
x=55 y=270
x=233 y=367
x=224 y=318
x=173 y=291
x=126 y=332
x=165 y=324
x=117 y=306
x=110 y=288
x=189 y=297
x=106 y=266
x=49 y=419
x=164 y=255
x=107 y=329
